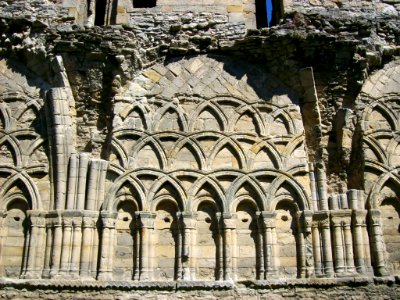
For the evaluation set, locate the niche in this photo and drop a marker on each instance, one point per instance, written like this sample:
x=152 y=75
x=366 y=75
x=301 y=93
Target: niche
x=247 y=242
x=390 y=217
x=126 y=262
x=208 y=242
x=17 y=226
x=166 y=246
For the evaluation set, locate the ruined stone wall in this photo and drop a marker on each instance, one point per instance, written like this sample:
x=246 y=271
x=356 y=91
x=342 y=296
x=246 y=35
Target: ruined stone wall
x=380 y=7
x=181 y=155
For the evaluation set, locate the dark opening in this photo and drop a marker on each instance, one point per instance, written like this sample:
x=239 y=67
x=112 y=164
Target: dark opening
x=100 y=12
x=144 y=3
x=261 y=13
x=276 y=12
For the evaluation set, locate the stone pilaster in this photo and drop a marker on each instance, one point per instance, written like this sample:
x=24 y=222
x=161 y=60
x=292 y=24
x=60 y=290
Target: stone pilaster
x=229 y=228
x=57 y=243
x=189 y=226
x=146 y=225
x=48 y=247
x=66 y=246
x=268 y=219
x=34 y=255
x=305 y=246
x=3 y=236
x=88 y=231
x=316 y=241
x=325 y=241
x=339 y=263
x=108 y=220
x=76 y=246
x=377 y=243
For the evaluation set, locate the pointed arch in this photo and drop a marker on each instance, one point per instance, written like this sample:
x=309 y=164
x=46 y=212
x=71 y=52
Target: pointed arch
x=255 y=116
x=233 y=148
x=5 y=117
x=204 y=183
x=271 y=151
x=176 y=186
x=285 y=119
x=381 y=108
x=193 y=147
x=213 y=110
x=302 y=199
x=111 y=203
x=27 y=182
x=14 y=145
x=120 y=151
x=142 y=112
x=389 y=175
x=236 y=185
x=376 y=148
x=181 y=119
x=155 y=147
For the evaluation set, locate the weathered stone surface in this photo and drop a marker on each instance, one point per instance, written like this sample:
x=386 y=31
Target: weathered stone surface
x=183 y=153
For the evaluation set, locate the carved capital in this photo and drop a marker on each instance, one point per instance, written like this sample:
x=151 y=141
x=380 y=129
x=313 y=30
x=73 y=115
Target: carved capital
x=267 y=219
x=324 y=223
x=307 y=220
x=145 y=219
x=108 y=219
x=188 y=220
x=229 y=220
x=77 y=222
x=359 y=217
x=89 y=222
x=38 y=221
x=67 y=222
x=375 y=217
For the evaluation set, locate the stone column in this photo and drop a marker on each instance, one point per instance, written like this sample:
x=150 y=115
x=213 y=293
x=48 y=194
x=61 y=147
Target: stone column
x=234 y=249
x=60 y=139
x=35 y=253
x=189 y=226
x=377 y=243
x=220 y=248
x=359 y=217
x=107 y=245
x=88 y=229
x=261 y=236
x=47 y=255
x=57 y=244
x=313 y=185
x=307 y=217
x=338 y=243
x=3 y=236
x=146 y=224
x=72 y=180
x=179 y=246
x=66 y=246
x=229 y=223
x=76 y=246
x=348 y=240
x=326 y=245
x=321 y=183
x=269 y=220
x=316 y=248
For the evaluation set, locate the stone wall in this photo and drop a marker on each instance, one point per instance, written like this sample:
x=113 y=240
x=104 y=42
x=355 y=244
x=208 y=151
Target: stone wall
x=182 y=154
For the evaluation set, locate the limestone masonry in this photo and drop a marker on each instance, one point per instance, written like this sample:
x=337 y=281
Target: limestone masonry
x=184 y=149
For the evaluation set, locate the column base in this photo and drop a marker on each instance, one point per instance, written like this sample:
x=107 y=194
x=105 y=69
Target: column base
x=104 y=276
x=31 y=275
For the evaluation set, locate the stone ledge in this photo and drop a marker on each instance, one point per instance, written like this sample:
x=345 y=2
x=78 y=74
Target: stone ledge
x=197 y=285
